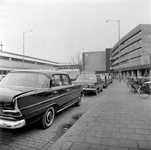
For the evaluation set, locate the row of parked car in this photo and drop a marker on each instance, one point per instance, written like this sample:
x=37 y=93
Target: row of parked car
x=93 y=83
x=28 y=96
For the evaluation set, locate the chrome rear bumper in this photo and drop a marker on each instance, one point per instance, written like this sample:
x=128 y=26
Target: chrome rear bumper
x=9 y=124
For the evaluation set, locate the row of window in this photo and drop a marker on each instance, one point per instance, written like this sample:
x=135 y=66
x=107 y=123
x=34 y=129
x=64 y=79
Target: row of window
x=132 y=44
x=3 y=57
x=38 y=63
x=26 y=61
x=125 y=62
x=132 y=52
x=138 y=58
x=128 y=47
x=68 y=68
x=128 y=54
x=132 y=37
x=4 y=72
x=16 y=59
x=135 y=59
x=129 y=39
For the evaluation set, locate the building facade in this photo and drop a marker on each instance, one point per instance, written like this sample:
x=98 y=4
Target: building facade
x=10 y=61
x=97 y=62
x=131 y=56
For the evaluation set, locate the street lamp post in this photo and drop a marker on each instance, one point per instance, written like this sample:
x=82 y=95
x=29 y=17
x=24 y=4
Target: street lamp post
x=24 y=46
x=118 y=21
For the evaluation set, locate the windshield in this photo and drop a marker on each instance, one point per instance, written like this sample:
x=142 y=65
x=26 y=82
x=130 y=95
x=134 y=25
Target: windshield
x=87 y=77
x=35 y=80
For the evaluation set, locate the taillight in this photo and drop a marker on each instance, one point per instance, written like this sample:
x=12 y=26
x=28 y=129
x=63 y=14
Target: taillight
x=89 y=86
x=11 y=113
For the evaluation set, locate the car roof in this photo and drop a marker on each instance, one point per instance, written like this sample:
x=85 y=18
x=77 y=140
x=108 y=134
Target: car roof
x=102 y=74
x=87 y=74
x=47 y=72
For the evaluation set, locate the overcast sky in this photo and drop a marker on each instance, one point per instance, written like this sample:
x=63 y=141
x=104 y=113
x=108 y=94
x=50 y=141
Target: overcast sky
x=62 y=28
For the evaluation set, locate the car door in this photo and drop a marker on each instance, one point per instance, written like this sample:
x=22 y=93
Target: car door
x=59 y=92
x=70 y=89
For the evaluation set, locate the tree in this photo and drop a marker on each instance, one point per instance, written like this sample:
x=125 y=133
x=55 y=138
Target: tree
x=77 y=60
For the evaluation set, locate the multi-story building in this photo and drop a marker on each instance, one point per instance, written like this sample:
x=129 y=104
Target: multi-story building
x=131 y=56
x=97 y=62
x=94 y=61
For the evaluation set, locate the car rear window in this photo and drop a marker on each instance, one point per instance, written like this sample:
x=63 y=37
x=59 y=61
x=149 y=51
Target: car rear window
x=35 y=80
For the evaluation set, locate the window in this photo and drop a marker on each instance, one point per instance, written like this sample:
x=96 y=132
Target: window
x=35 y=80
x=3 y=57
x=99 y=79
x=56 y=81
x=4 y=71
x=66 y=80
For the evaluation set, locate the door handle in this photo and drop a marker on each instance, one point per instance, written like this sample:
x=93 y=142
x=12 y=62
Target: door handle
x=68 y=90
x=55 y=92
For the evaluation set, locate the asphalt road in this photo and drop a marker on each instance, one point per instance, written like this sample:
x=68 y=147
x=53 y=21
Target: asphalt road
x=32 y=137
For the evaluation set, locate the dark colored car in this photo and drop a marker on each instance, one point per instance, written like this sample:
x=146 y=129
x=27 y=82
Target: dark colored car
x=90 y=82
x=27 y=96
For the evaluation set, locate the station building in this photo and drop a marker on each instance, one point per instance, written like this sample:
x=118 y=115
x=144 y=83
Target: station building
x=10 y=61
x=131 y=56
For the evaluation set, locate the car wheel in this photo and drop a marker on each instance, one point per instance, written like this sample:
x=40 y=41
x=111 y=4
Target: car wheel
x=78 y=103
x=47 y=118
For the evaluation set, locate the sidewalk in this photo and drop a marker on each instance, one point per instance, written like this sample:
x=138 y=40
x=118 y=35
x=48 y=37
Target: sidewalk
x=119 y=121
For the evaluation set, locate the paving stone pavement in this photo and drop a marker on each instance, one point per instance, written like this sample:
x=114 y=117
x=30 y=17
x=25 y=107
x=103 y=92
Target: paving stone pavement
x=119 y=121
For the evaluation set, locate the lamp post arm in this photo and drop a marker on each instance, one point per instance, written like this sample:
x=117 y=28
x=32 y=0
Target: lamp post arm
x=24 y=46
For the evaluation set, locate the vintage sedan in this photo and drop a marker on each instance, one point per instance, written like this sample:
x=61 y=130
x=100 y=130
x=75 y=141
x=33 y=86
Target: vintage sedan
x=27 y=96
x=90 y=82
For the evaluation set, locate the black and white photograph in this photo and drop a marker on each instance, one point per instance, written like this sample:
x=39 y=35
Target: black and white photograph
x=75 y=74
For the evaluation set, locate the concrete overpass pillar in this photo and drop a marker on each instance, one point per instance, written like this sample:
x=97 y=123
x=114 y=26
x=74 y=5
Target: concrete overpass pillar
x=139 y=73
x=132 y=73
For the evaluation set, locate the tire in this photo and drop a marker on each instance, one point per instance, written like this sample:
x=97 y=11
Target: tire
x=131 y=89
x=142 y=93
x=129 y=82
x=78 y=103
x=47 y=118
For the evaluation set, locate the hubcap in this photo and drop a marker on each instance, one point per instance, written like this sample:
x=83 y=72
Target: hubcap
x=49 y=117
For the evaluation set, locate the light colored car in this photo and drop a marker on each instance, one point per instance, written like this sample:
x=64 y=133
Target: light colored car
x=90 y=82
